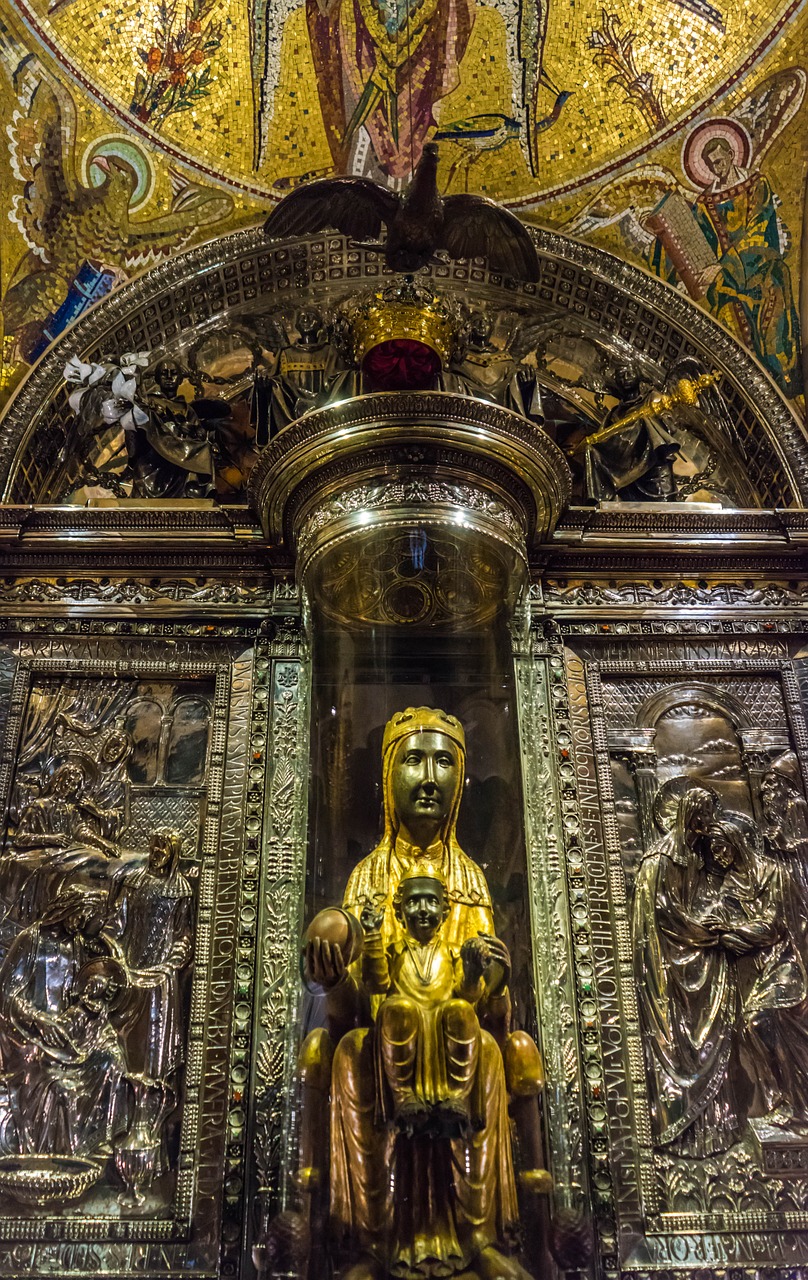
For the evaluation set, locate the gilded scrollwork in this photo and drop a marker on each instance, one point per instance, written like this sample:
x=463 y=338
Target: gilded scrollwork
x=135 y=591
x=400 y=493
x=597 y=594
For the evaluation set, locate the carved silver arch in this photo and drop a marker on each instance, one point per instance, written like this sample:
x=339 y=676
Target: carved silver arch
x=625 y=308
x=709 y=695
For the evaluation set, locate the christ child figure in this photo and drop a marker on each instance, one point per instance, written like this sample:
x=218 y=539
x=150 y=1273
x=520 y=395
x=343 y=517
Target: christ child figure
x=427 y=1031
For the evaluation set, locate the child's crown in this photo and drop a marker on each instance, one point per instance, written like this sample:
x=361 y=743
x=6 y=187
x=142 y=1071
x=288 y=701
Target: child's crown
x=423 y=869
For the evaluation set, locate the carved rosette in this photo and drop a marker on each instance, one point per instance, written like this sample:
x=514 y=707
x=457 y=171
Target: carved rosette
x=414 y=508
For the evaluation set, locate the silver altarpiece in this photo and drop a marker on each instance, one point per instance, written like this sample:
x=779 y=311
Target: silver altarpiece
x=197 y=662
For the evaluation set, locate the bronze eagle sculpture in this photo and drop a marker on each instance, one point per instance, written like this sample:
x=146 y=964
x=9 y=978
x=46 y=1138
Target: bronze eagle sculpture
x=419 y=221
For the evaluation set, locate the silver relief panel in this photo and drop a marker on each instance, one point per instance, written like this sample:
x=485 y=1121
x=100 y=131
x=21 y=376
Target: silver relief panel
x=695 y=850
x=117 y=941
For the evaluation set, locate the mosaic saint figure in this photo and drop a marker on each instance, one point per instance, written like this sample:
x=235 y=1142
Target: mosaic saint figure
x=721 y=236
x=355 y=86
x=79 y=230
x=381 y=68
x=748 y=284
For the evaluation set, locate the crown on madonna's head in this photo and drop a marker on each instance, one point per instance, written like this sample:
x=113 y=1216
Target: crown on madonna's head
x=422 y=720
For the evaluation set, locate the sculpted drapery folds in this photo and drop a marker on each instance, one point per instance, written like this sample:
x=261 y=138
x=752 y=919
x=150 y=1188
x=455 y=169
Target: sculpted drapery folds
x=687 y=990
x=720 y=961
x=418 y=1087
x=63 y=1055
x=151 y=910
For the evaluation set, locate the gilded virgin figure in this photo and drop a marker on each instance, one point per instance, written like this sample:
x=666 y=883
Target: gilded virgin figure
x=409 y=1195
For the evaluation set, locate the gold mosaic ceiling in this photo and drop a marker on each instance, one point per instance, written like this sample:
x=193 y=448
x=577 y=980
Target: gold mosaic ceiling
x=258 y=117
x=178 y=121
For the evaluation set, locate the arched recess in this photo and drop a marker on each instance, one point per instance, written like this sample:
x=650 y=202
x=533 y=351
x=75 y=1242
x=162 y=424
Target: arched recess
x=708 y=695
x=582 y=291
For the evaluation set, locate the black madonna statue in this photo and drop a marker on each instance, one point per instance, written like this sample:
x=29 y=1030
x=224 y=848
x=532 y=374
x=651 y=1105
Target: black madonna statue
x=406 y=1144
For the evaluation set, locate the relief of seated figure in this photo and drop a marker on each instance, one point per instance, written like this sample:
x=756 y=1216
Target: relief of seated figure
x=56 y=832
x=64 y=1058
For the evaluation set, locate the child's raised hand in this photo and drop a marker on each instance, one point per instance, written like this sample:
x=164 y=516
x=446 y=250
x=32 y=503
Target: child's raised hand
x=372 y=917
x=474 y=955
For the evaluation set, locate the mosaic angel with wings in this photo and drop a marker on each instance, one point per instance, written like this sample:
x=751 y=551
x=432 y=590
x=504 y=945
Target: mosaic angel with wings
x=78 y=215
x=718 y=235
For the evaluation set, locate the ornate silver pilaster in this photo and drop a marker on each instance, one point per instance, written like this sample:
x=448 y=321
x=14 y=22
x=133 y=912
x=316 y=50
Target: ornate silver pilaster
x=279 y=745
x=552 y=840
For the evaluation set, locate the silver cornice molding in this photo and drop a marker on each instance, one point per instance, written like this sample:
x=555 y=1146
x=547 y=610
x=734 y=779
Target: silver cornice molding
x=347 y=488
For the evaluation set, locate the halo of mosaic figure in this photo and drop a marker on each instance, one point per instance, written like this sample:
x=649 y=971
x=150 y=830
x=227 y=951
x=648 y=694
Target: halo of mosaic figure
x=409 y=1089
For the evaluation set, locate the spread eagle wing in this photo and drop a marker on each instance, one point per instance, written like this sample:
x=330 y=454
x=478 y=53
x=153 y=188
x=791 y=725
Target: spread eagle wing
x=770 y=107
x=475 y=227
x=625 y=201
x=355 y=207
x=42 y=139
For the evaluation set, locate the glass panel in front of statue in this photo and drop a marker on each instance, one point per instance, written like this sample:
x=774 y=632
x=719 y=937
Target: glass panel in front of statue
x=97 y=905
x=418 y=1143
x=712 y=815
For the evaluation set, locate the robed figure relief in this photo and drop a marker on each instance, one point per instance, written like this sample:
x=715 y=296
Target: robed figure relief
x=97 y=935
x=720 y=962
x=406 y=1093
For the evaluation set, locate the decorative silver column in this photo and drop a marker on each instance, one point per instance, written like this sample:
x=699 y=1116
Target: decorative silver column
x=409 y=508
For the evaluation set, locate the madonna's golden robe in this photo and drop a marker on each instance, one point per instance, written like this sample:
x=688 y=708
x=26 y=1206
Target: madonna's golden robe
x=422 y=1206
